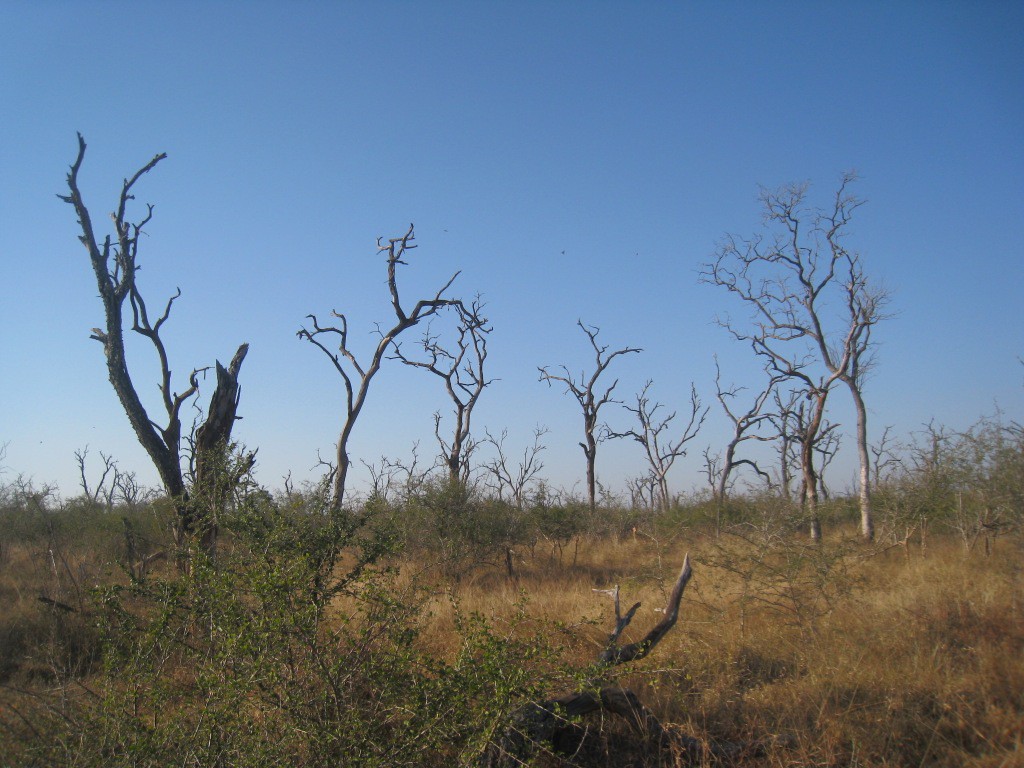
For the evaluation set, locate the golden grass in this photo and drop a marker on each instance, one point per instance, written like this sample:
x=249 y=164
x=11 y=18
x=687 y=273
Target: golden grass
x=905 y=662
x=920 y=663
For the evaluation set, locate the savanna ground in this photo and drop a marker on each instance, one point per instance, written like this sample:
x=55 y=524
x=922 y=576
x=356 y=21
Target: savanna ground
x=359 y=644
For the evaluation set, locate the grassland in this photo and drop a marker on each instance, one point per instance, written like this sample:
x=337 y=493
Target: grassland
x=833 y=655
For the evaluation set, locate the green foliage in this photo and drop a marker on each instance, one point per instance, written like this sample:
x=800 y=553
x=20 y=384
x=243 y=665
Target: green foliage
x=456 y=526
x=969 y=482
x=295 y=646
x=557 y=521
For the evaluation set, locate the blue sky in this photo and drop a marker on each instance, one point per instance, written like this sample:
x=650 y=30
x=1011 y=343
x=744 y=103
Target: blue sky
x=574 y=160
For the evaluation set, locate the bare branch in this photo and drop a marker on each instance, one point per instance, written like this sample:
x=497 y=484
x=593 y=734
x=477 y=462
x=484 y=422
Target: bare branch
x=115 y=267
x=613 y=655
x=357 y=387
x=582 y=388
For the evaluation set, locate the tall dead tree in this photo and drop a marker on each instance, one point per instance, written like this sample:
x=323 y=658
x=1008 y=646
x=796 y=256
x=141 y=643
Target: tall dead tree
x=583 y=389
x=115 y=265
x=808 y=443
x=793 y=278
x=652 y=435
x=357 y=386
x=462 y=371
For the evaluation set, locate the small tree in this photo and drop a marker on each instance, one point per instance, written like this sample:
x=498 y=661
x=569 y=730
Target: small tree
x=583 y=389
x=745 y=427
x=357 y=386
x=515 y=480
x=652 y=435
x=462 y=371
x=115 y=265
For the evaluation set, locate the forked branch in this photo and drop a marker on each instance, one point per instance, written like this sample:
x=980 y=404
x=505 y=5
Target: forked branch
x=115 y=267
x=333 y=341
x=546 y=723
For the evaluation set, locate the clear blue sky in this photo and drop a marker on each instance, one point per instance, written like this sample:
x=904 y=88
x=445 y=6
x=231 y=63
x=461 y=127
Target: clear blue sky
x=573 y=159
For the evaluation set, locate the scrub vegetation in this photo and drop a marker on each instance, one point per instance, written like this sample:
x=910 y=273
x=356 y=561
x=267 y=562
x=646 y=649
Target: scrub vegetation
x=414 y=627
x=466 y=612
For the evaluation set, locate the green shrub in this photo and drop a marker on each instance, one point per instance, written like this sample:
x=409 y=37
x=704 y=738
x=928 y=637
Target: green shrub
x=295 y=647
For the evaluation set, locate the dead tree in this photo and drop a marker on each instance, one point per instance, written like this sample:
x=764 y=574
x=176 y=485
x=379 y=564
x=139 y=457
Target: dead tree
x=745 y=427
x=788 y=441
x=887 y=458
x=357 y=386
x=115 y=264
x=515 y=480
x=652 y=435
x=808 y=442
x=790 y=281
x=102 y=489
x=462 y=371
x=643 y=492
x=582 y=388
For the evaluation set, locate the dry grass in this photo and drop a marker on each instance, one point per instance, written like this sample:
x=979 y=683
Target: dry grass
x=919 y=662
x=889 y=661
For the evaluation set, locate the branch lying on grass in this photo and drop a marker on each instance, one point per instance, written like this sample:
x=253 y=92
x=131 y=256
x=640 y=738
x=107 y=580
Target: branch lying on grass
x=549 y=723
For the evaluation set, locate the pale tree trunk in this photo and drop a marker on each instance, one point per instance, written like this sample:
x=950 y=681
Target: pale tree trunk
x=810 y=435
x=867 y=522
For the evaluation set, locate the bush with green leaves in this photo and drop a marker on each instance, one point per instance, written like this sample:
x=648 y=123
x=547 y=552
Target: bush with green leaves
x=296 y=646
x=455 y=526
x=970 y=482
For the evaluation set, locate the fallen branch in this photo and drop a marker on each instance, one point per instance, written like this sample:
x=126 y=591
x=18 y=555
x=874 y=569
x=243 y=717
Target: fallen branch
x=550 y=723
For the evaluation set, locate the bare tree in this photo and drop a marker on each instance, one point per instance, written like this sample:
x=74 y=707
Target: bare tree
x=652 y=435
x=788 y=440
x=791 y=281
x=357 y=386
x=515 y=480
x=115 y=265
x=106 y=486
x=462 y=371
x=582 y=388
x=808 y=442
x=643 y=492
x=745 y=425
x=887 y=459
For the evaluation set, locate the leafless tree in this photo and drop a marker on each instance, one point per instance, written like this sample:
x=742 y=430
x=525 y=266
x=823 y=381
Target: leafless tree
x=115 y=264
x=653 y=436
x=357 y=384
x=643 y=492
x=583 y=389
x=462 y=371
x=106 y=486
x=887 y=459
x=792 y=281
x=745 y=427
x=808 y=442
x=515 y=480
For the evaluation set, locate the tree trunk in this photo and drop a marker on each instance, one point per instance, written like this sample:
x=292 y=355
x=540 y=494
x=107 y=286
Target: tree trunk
x=213 y=439
x=867 y=521
x=590 y=451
